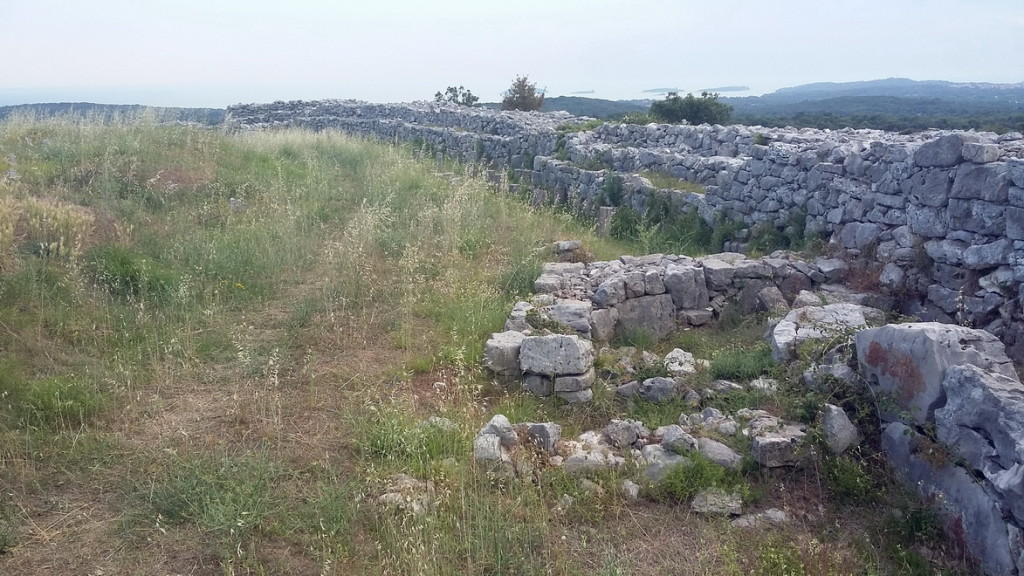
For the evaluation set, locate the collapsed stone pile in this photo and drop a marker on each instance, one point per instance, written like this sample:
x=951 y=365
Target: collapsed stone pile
x=951 y=403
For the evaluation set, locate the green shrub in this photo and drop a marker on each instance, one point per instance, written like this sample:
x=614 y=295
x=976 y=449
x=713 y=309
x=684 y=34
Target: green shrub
x=228 y=498
x=704 y=110
x=517 y=279
x=613 y=191
x=641 y=118
x=655 y=414
x=49 y=403
x=522 y=95
x=684 y=481
x=625 y=224
x=639 y=338
x=130 y=274
x=392 y=436
x=780 y=559
x=848 y=479
x=741 y=363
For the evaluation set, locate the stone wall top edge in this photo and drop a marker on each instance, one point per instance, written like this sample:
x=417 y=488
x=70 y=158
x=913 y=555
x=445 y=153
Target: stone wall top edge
x=550 y=120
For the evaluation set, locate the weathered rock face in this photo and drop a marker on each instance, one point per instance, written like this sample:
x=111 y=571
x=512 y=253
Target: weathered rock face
x=970 y=510
x=909 y=361
x=958 y=384
x=984 y=419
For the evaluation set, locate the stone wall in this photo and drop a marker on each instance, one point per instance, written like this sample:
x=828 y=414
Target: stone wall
x=940 y=215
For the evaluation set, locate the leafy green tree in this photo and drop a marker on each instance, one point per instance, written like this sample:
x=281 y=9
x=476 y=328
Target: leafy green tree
x=704 y=110
x=459 y=96
x=522 y=95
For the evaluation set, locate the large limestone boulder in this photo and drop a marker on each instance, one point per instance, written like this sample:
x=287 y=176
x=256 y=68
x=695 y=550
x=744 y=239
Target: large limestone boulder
x=840 y=433
x=654 y=314
x=983 y=420
x=501 y=353
x=556 y=355
x=908 y=361
x=819 y=323
x=574 y=314
x=973 y=515
x=687 y=286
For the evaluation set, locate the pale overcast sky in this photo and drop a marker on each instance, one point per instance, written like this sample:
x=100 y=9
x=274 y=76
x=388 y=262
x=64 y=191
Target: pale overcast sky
x=219 y=52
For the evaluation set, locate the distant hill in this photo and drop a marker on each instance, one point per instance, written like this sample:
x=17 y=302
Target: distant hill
x=580 y=106
x=895 y=104
x=593 y=107
x=903 y=88
x=106 y=112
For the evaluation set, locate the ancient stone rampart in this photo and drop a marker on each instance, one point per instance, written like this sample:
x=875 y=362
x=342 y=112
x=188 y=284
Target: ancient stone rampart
x=939 y=215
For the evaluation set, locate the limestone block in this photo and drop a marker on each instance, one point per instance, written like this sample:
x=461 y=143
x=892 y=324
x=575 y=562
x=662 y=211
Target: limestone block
x=687 y=286
x=625 y=433
x=980 y=153
x=658 y=389
x=774 y=449
x=660 y=461
x=499 y=426
x=977 y=216
x=840 y=433
x=547 y=284
x=556 y=355
x=575 y=382
x=928 y=221
x=717 y=502
x=772 y=301
x=943 y=151
x=988 y=182
x=572 y=313
x=487 y=447
x=501 y=353
x=961 y=499
x=818 y=323
x=719 y=453
x=983 y=420
x=580 y=397
x=834 y=269
x=990 y=255
x=654 y=284
x=680 y=362
x=538 y=385
x=718 y=274
x=610 y=292
x=602 y=324
x=675 y=439
x=545 y=435
x=655 y=314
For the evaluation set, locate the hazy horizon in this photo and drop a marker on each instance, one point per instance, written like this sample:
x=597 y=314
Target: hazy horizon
x=216 y=53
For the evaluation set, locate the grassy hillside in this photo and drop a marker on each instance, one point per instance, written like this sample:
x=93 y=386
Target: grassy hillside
x=107 y=112
x=217 y=352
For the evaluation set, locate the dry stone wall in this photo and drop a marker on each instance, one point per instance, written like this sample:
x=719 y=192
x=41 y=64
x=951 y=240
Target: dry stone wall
x=939 y=214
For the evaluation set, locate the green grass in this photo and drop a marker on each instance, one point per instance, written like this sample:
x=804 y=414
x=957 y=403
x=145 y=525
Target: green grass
x=741 y=363
x=684 y=481
x=661 y=180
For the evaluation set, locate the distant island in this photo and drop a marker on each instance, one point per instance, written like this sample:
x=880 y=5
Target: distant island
x=726 y=89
